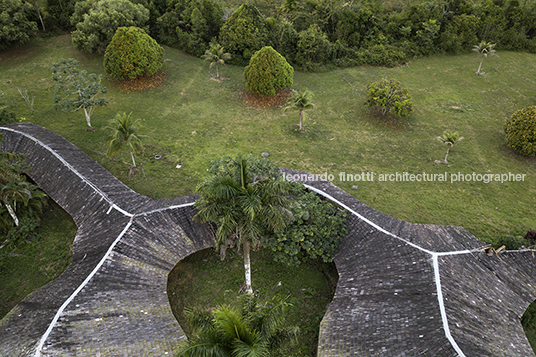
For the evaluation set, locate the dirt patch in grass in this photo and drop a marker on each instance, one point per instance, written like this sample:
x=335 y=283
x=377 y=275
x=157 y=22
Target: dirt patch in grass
x=263 y=101
x=140 y=83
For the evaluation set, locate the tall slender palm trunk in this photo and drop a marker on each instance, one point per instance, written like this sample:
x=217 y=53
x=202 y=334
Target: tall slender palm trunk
x=247 y=267
x=132 y=156
x=447 y=155
x=12 y=213
x=87 y=113
x=480 y=66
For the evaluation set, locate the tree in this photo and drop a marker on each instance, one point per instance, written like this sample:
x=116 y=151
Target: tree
x=520 y=130
x=301 y=102
x=216 y=55
x=484 y=49
x=96 y=22
x=242 y=208
x=76 y=89
x=19 y=197
x=390 y=97
x=190 y=25
x=243 y=33
x=15 y=25
x=267 y=72
x=254 y=329
x=132 y=53
x=317 y=229
x=124 y=132
x=450 y=139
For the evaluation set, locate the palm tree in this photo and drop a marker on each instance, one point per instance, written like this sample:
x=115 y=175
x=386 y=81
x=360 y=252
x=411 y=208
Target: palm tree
x=253 y=330
x=18 y=196
x=216 y=55
x=124 y=132
x=450 y=139
x=242 y=209
x=484 y=49
x=300 y=101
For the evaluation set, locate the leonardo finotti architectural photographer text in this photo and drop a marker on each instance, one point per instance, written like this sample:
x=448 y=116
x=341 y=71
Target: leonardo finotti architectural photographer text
x=409 y=177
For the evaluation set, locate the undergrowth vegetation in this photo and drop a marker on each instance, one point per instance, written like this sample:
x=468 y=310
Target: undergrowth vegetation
x=203 y=281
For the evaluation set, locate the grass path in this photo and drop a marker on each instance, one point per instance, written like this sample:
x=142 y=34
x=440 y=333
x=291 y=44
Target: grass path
x=192 y=119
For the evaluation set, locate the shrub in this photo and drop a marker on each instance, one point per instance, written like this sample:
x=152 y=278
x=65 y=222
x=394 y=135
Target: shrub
x=390 y=97
x=520 y=131
x=318 y=228
x=26 y=230
x=132 y=53
x=511 y=242
x=7 y=117
x=267 y=72
x=97 y=21
x=313 y=48
x=381 y=55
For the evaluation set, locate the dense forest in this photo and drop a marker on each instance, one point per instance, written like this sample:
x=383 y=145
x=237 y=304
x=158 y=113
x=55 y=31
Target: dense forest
x=310 y=34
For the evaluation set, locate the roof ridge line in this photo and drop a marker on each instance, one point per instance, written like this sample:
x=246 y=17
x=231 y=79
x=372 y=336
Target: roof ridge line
x=435 y=264
x=113 y=205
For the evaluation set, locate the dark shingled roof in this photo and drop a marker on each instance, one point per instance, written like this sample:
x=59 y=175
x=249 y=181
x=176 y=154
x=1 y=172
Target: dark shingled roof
x=421 y=290
x=404 y=289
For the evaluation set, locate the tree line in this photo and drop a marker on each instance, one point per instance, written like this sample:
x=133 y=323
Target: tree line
x=310 y=34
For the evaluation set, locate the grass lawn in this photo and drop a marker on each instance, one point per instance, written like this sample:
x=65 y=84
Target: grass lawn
x=192 y=119
x=31 y=265
x=202 y=280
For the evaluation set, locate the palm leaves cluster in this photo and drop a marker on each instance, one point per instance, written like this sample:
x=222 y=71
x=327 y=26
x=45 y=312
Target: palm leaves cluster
x=124 y=133
x=448 y=138
x=216 y=55
x=484 y=49
x=254 y=329
x=18 y=198
x=242 y=209
x=300 y=102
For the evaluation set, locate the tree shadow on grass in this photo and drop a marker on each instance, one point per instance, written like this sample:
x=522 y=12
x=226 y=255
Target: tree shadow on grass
x=387 y=121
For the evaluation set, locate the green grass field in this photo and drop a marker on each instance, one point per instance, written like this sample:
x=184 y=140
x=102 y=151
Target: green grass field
x=192 y=119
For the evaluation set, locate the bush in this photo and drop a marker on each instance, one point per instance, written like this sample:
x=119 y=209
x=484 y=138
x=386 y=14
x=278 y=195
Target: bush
x=267 y=72
x=25 y=231
x=132 y=53
x=97 y=21
x=313 y=48
x=317 y=229
x=381 y=55
x=390 y=97
x=511 y=242
x=15 y=24
x=7 y=117
x=520 y=131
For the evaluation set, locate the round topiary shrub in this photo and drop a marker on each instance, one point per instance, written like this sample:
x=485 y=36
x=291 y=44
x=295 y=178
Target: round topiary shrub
x=132 y=54
x=520 y=131
x=267 y=72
